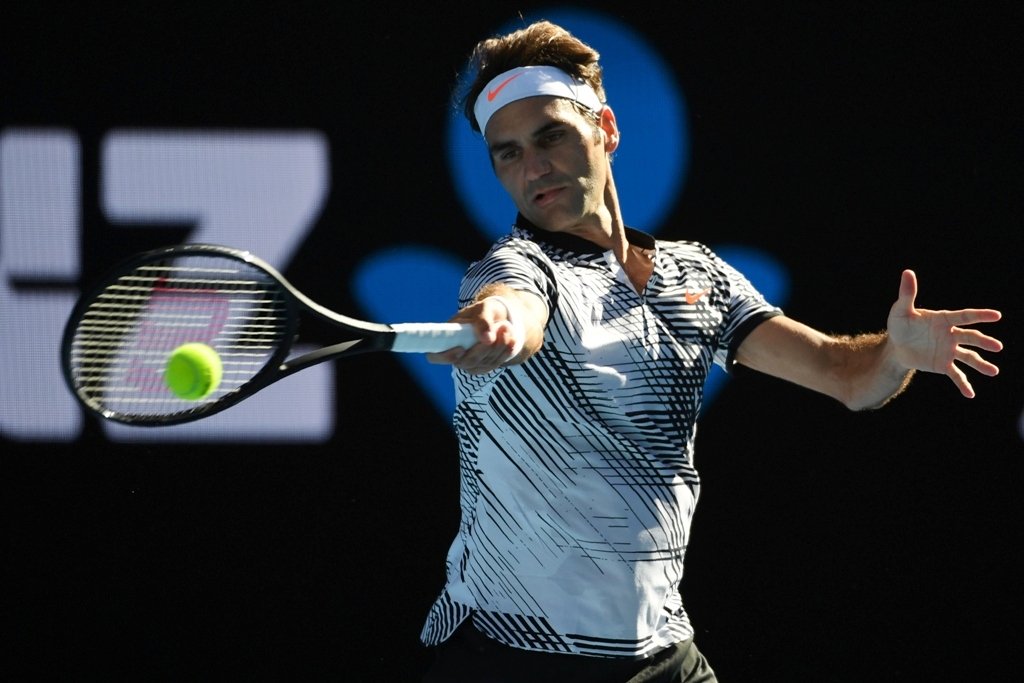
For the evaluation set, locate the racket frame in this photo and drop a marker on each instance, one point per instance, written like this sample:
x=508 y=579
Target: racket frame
x=371 y=337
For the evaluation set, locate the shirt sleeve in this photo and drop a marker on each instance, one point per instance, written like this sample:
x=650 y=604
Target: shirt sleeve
x=516 y=263
x=744 y=309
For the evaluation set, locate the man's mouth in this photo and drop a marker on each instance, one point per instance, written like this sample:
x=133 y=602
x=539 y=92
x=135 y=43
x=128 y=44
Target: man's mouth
x=545 y=197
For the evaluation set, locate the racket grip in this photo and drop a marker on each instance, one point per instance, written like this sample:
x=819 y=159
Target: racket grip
x=431 y=337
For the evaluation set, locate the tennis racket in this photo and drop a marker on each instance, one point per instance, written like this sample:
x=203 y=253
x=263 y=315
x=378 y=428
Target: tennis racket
x=119 y=336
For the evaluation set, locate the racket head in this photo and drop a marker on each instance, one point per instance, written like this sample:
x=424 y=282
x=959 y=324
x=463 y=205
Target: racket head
x=121 y=333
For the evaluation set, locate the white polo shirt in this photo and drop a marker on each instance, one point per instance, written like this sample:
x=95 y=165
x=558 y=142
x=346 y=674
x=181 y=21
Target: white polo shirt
x=578 y=483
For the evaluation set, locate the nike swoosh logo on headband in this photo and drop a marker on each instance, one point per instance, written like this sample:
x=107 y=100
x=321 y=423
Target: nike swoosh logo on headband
x=491 y=94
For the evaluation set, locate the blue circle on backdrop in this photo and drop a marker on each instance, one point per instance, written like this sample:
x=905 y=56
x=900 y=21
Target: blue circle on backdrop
x=650 y=164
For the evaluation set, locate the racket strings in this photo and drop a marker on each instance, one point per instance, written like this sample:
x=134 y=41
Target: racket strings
x=121 y=345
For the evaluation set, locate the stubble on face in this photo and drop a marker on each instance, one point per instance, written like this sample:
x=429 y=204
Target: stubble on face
x=551 y=160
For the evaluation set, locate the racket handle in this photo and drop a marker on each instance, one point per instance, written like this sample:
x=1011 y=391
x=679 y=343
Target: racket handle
x=431 y=337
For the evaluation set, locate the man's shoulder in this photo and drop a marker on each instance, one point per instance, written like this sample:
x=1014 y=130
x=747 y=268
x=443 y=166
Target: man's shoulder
x=687 y=249
x=514 y=243
x=508 y=249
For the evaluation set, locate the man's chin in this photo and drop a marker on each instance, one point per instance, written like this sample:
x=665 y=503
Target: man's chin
x=550 y=220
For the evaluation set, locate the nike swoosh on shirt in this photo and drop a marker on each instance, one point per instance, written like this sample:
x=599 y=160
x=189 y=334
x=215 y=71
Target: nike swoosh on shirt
x=491 y=94
x=694 y=298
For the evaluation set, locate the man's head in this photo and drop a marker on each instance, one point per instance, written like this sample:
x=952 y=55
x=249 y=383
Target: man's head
x=539 y=44
x=538 y=100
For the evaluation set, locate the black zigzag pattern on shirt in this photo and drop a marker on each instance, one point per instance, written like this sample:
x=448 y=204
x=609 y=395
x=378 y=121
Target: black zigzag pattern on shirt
x=577 y=474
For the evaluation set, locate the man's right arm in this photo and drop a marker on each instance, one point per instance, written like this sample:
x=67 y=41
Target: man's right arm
x=509 y=325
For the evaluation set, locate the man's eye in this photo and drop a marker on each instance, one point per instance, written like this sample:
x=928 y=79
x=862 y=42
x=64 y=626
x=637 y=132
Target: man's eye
x=553 y=136
x=508 y=155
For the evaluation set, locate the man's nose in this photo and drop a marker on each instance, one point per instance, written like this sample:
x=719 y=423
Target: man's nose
x=536 y=162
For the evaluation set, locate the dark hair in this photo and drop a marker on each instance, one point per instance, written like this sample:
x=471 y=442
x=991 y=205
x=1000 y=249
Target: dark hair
x=539 y=44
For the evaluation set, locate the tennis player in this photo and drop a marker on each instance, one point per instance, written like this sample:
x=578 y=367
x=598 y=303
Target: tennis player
x=576 y=410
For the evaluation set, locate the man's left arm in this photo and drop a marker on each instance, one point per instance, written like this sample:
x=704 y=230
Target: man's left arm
x=866 y=371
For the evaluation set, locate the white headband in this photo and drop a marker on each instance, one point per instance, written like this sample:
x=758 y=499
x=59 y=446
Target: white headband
x=530 y=81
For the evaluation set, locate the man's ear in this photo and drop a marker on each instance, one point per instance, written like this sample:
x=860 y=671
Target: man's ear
x=611 y=130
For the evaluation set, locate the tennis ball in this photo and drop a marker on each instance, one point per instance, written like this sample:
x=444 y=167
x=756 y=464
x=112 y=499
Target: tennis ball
x=193 y=371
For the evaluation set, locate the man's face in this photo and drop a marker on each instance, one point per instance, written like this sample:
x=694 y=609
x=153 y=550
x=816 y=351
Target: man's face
x=552 y=161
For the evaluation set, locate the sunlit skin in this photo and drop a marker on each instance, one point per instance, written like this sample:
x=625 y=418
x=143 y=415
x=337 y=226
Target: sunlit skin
x=865 y=371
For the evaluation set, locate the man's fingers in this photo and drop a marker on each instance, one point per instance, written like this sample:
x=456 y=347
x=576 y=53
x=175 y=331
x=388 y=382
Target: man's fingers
x=498 y=344
x=908 y=290
x=975 y=338
x=970 y=316
x=961 y=381
x=973 y=360
x=495 y=349
x=449 y=357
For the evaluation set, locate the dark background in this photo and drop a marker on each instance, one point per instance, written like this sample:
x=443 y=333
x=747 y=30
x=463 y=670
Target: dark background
x=828 y=546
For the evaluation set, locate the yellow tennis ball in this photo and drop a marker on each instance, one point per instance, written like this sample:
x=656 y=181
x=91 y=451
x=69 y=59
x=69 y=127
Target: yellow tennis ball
x=193 y=371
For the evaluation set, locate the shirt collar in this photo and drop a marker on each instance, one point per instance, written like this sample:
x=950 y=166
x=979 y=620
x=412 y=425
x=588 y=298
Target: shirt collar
x=568 y=242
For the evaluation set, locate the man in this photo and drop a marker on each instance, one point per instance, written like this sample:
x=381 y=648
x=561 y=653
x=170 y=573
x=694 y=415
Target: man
x=576 y=410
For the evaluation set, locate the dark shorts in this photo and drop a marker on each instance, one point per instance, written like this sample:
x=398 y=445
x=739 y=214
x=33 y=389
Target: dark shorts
x=471 y=657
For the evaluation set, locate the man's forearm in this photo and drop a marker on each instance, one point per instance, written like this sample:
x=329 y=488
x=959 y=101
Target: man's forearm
x=865 y=365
